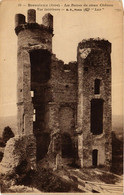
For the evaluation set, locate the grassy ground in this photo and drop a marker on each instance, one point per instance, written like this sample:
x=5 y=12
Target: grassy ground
x=62 y=180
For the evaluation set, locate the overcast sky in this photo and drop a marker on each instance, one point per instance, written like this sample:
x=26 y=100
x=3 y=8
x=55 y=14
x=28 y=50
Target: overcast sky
x=69 y=29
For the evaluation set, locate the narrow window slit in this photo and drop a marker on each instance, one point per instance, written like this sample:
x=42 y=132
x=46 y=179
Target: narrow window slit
x=97 y=86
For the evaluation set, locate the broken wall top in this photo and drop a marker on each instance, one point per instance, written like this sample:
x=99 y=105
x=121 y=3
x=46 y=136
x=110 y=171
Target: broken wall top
x=95 y=44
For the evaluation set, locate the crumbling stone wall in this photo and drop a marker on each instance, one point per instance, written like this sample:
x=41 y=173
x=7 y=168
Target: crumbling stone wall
x=19 y=149
x=63 y=83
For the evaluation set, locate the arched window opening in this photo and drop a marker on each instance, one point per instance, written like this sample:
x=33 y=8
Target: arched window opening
x=97 y=86
x=97 y=116
x=95 y=158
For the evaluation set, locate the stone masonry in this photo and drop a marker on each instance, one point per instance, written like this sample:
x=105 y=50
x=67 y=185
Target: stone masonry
x=65 y=107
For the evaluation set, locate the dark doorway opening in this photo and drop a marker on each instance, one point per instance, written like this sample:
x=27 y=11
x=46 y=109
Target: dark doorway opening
x=97 y=116
x=42 y=142
x=95 y=158
x=67 y=149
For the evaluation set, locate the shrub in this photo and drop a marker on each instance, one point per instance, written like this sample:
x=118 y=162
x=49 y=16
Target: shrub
x=44 y=180
x=7 y=134
x=2 y=143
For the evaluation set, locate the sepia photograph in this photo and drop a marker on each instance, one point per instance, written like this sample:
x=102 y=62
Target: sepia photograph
x=61 y=103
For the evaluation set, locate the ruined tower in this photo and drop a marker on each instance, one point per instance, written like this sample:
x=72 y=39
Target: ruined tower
x=33 y=59
x=94 y=102
x=65 y=107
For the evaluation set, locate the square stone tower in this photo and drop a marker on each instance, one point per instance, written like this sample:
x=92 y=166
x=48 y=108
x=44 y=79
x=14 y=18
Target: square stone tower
x=94 y=102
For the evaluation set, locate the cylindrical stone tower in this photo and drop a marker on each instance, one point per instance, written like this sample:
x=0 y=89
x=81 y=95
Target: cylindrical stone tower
x=94 y=102
x=33 y=68
x=32 y=37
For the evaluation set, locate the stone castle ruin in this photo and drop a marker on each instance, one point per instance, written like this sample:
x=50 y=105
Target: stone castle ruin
x=64 y=110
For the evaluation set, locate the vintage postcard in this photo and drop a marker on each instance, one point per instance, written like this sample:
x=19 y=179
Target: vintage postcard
x=61 y=110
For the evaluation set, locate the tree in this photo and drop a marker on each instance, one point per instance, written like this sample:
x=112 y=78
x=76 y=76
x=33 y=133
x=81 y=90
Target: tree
x=7 y=134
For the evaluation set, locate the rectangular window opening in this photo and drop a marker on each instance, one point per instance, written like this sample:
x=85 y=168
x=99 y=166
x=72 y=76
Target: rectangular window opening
x=34 y=117
x=32 y=93
x=97 y=86
x=97 y=116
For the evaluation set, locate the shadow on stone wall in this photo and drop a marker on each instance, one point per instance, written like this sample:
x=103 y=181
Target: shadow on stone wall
x=117 y=154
